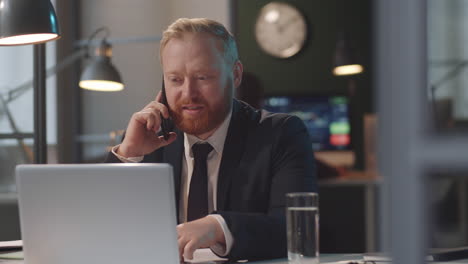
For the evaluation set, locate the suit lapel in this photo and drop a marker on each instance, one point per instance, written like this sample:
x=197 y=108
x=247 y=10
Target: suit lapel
x=173 y=155
x=232 y=153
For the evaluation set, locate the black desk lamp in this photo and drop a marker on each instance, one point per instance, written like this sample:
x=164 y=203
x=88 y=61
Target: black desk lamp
x=31 y=22
x=345 y=59
x=27 y=22
x=100 y=74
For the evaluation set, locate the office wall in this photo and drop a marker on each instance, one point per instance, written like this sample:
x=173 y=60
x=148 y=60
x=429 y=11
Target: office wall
x=138 y=62
x=214 y=9
x=310 y=71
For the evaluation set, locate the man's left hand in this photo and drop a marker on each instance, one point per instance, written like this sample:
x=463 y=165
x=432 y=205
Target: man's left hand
x=202 y=233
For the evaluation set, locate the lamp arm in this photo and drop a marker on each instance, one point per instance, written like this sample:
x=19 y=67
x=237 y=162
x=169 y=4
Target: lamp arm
x=26 y=151
x=449 y=75
x=19 y=90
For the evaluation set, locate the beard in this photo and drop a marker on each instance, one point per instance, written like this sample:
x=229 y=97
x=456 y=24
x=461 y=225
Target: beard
x=211 y=118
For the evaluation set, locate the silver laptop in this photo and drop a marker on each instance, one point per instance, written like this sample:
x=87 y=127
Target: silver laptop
x=97 y=213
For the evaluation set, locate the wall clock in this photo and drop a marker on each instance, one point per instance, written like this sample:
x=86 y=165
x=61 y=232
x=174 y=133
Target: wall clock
x=280 y=29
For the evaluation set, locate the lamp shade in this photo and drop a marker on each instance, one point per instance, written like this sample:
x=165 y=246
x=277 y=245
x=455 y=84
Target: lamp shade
x=101 y=75
x=27 y=22
x=345 y=61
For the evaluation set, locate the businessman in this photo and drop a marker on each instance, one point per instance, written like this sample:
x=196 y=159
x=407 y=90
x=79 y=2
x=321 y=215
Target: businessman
x=232 y=164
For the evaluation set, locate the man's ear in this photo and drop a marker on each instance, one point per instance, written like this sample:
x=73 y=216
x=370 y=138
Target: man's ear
x=237 y=73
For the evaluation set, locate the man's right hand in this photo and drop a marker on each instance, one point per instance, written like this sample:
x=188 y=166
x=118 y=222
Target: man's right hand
x=141 y=135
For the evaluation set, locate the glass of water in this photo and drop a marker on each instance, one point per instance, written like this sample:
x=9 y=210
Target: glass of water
x=302 y=218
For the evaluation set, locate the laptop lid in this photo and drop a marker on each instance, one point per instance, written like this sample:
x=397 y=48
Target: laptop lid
x=97 y=213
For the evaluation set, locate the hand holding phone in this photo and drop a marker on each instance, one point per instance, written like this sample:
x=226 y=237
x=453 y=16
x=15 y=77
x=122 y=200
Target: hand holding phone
x=141 y=136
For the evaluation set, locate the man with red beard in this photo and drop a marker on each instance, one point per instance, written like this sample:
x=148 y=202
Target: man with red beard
x=252 y=157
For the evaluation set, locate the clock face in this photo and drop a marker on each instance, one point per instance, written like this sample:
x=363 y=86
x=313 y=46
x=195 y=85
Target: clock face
x=280 y=29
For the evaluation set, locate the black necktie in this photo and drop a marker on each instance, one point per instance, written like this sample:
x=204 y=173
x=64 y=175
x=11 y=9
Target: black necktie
x=198 y=193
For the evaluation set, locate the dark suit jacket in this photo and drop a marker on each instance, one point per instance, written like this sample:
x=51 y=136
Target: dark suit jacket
x=265 y=156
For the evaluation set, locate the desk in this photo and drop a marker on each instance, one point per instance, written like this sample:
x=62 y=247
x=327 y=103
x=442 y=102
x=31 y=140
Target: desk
x=327 y=258
x=323 y=259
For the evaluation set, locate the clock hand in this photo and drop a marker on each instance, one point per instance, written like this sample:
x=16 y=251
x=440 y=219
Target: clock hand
x=281 y=26
x=291 y=20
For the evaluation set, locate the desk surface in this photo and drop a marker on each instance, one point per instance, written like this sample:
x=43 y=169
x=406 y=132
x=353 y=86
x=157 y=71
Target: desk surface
x=352 y=178
x=324 y=258
x=329 y=258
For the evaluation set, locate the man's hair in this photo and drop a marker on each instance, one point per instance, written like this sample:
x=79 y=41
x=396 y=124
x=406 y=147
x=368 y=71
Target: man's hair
x=202 y=25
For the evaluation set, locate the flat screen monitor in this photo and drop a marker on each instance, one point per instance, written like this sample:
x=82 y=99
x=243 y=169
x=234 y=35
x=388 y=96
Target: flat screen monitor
x=326 y=118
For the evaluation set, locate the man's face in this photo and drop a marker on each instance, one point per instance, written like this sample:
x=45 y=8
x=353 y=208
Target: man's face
x=199 y=83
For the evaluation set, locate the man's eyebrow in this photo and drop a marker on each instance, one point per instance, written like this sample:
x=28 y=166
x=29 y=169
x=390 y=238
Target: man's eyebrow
x=170 y=72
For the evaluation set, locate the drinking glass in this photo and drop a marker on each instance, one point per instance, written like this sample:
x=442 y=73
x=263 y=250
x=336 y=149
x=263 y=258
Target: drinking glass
x=302 y=219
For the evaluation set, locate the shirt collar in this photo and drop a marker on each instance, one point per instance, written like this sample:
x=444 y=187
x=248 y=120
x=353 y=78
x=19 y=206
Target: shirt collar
x=216 y=140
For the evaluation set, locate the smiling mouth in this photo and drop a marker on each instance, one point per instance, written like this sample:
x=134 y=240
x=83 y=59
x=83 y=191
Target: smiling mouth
x=193 y=109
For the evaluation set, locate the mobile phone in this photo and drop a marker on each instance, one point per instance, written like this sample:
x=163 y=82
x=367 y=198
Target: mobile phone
x=166 y=124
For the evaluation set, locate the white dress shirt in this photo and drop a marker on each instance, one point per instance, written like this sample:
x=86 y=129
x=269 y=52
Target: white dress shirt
x=213 y=163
